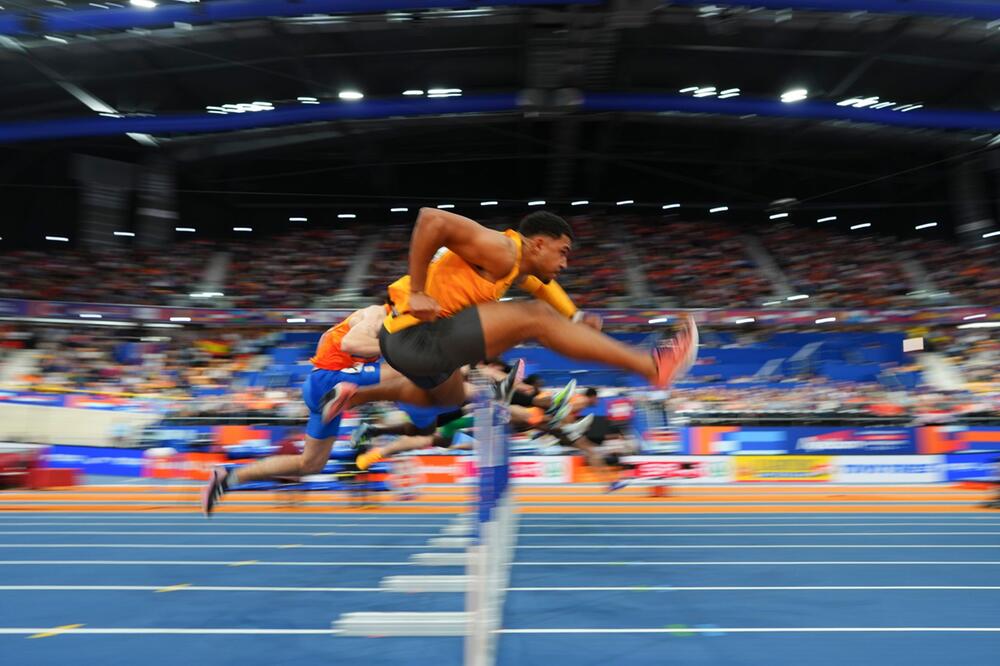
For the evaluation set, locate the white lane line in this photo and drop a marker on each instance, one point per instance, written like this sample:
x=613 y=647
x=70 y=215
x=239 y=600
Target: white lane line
x=178 y=588
x=558 y=535
x=382 y=563
x=17 y=631
x=617 y=546
x=406 y=533
x=755 y=630
x=611 y=588
x=207 y=563
x=751 y=588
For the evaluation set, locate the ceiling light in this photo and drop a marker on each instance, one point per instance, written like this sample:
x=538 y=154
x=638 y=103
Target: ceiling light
x=61 y=239
x=187 y=229
x=350 y=95
x=795 y=95
x=307 y=99
x=125 y=233
x=718 y=209
x=689 y=89
x=797 y=297
x=777 y=216
x=536 y=203
x=296 y=320
x=488 y=203
x=728 y=95
x=446 y=206
x=145 y=4
x=746 y=320
x=398 y=210
x=444 y=91
x=975 y=316
x=89 y=315
x=832 y=218
x=625 y=202
x=180 y=319
x=912 y=107
x=163 y=326
x=581 y=202
x=981 y=324
x=413 y=92
x=882 y=105
x=991 y=234
x=58 y=40
x=659 y=320
x=925 y=226
x=298 y=219
x=863 y=225
x=346 y=216
x=771 y=303
x=242 y=228
x=220 y=112
x=826 y=320
x=669 y=206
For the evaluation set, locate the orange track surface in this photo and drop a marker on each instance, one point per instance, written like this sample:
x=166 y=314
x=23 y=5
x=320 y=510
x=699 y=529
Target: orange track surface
x=790 y=498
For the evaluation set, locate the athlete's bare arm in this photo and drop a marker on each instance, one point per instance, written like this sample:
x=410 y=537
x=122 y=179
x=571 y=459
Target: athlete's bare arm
x=362 y=338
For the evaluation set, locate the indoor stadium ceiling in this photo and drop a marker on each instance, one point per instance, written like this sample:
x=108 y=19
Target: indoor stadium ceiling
x=721 y=127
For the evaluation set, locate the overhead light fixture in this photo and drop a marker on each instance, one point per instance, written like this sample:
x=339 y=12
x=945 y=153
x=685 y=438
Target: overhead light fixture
x=128 y=234
x=298 y=219
x=242 y=228
x=797 y=297
x=746 y=320
x=398 y=210
x=189 y=230
x=178 y=319
x=58 y=40
x=90 y=315
x=163 y=325
x=145 y=4
x=346 y=216
x=689 y=89
x=446 y=206
x=295 y=320
x=826 y=320
x=981 y=324
x=925 y=226
x=794 y=95
x=488 y=203
x=771 y=303
x=61 y=239
x=863 y=225
x=536 y=203
x=307 y=99
x=413 y=92
x=581 y=202
x=777 y=216
x=729 y=92
x=991 y=234
x=975 y=316
x=625 y=202
x=832 y=218
x=718 y=209
x=444 y=91
x=708 y=91
x=669 y=206
x=659 y=320
x=350 y=95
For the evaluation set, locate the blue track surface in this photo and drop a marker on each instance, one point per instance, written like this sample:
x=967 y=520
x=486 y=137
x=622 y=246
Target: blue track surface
x=681 y=594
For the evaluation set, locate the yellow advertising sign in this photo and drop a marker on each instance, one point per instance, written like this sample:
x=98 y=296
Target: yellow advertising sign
x=783 y=468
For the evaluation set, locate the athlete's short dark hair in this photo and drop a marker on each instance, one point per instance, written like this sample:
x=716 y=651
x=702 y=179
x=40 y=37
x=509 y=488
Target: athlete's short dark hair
x=591 y=392
x=545 y=224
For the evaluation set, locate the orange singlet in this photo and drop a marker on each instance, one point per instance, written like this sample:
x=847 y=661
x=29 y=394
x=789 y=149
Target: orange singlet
x=330 y=356
x=454 y=283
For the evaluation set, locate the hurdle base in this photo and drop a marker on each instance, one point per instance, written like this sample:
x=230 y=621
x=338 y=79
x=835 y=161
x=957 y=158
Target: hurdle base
x=440 y=559
x=402 y=624
x=425 y=583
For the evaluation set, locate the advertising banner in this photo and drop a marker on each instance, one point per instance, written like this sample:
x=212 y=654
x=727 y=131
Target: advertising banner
x=96 y=459
x=851 y=441
x=684 y=469
x=962 y=466
x=888 y=469
x=771 y=469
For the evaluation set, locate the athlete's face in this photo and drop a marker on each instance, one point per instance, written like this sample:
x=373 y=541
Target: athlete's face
x=551 y=255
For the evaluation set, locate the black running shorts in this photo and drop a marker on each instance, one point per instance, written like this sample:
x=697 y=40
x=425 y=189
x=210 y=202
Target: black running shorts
x=428 y=353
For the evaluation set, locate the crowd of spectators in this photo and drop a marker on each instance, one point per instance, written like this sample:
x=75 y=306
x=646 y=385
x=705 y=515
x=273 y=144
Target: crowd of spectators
x=684 y=264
